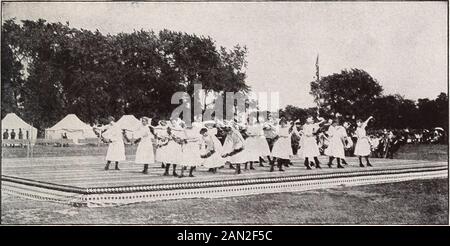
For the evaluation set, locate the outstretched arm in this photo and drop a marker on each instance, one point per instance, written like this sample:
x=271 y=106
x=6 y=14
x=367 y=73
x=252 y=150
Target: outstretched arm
x=295 y=131
x=321 y=120
x=367 y=121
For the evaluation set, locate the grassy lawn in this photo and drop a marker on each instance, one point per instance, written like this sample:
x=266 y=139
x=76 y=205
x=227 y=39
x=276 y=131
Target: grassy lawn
x=73 y=150
x=430 y=152
x=412 y=202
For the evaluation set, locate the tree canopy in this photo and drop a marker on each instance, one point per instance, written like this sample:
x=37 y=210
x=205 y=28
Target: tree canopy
x=351 y=92
x=51 y=69
x=355 y=94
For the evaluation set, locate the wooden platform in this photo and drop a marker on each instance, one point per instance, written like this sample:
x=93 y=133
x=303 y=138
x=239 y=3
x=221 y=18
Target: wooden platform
x=81 y=181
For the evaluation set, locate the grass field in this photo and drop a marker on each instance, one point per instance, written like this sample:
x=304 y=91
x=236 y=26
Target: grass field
x=431 y=152
x=73 y=150
x=412 y=202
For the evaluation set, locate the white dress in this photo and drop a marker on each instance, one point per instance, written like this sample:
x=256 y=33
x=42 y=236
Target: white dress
x=161 y=151
x=191 y=150
x=227 y=148
x=235 y=141
x=282 y=147
x=144 y=152
x=217 y=144
x=336 y=146
x=116 y=149
x=173 y=149
x=362 y=147
x=330 y=132
x=309 y=145
x=215 y=160
x=256 y=144
x=301 y=144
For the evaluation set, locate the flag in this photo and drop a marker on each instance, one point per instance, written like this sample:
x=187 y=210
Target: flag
x=317 y=79
x=317 y=68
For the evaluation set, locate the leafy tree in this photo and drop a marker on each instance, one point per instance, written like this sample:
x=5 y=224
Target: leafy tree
x=12 y=81
x=351 y=92
x=51 y=69
x=293 y=113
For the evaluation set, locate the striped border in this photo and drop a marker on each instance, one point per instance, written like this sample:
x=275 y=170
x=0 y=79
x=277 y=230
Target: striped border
x=209 y=184
x=113 y=196
x=108 y=199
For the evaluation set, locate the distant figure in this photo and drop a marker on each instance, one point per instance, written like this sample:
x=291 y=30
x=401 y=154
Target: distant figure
x=6 y=134
x=20 y=133
x=28 y=135
x=64 y=136
x=20 y=136
x=13 y=136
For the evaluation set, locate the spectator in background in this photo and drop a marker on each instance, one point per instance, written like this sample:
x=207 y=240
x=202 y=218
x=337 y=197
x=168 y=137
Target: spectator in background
x=64 y=136
x=12 y=136
x=6 y=134
x=20 y=136
x=20 y=133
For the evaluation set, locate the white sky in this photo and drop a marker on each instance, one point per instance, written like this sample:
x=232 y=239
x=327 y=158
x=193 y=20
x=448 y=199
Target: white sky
x=402 y=45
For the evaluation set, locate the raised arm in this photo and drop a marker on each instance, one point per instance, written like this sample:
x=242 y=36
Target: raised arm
x=367 y=121
x=294 y=130
x=321 y=120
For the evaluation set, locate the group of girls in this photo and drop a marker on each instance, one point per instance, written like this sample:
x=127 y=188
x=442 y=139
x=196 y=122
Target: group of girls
x=188 y=146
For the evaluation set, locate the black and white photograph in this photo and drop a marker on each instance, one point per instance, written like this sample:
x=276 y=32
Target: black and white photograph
x=224 y=113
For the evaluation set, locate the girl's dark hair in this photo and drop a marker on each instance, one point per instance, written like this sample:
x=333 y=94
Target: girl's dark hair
x=152 y=130
x=203 y=130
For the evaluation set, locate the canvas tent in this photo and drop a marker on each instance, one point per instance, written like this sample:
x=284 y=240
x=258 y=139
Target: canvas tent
x=14 y=122
x=72 y=126
x=130 y=123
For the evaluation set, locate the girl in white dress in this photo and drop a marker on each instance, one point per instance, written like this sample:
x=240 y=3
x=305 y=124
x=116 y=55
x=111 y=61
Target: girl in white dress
x=236 y=152
x=310 y=148
x=210 y=153
x=116 y=149
x=191 y=150
x=211 y=126
x=174 y=147
x=163 y=139
x=144 y=152
x=362 y=147
x=282 y=149
x=256 y=146
x=336 y=149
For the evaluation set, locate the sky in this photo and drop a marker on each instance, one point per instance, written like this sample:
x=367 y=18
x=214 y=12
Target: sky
x=403 y=45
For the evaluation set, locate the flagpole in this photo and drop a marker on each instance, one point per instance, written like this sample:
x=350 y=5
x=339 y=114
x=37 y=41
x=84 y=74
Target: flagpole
x=318 y=80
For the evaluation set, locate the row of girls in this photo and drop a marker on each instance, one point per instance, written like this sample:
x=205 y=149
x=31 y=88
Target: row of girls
x=190 y=146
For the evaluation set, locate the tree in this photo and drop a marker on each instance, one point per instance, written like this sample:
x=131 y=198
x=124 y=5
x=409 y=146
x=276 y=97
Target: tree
x=394 y=111
x=351 y=92
x=12 y=81
x=293 y=113
x=51 y=69
x=442 y=110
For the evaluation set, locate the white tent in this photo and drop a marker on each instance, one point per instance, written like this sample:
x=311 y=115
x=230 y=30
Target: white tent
x=130 y=123
x=72 y=126
x=14 y=122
